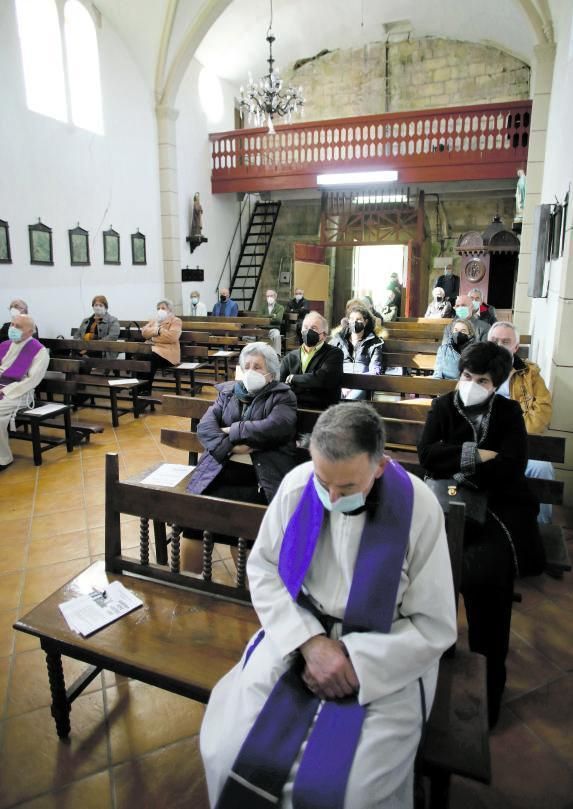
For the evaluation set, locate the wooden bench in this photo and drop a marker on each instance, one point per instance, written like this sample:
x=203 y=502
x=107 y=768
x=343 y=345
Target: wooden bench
x=213 y=623
x=30 y=421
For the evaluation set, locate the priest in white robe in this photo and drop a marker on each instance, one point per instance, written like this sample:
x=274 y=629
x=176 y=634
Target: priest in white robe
x=383 y=677
x=23 y=364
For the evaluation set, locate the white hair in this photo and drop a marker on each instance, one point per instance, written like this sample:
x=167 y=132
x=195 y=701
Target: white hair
x=323 y=321
x=166 y=302
x=266 y=352
x=506 y=324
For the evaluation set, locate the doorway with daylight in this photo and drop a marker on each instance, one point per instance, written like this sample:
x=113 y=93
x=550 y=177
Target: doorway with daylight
x=372 y=267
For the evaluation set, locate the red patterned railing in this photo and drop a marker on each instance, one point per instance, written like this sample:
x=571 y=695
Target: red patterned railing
x=486 y=141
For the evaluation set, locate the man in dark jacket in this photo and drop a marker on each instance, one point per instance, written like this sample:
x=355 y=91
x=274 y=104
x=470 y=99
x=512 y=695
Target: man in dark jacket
x=298 y=306
x=481 y=309
x=450 y=283
x=314 y=371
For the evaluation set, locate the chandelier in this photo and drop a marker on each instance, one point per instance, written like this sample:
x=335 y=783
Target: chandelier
x=268 y=98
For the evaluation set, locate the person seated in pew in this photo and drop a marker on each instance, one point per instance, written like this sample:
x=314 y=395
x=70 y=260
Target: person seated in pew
x=390 y=310
x=17 y=307
x=276 y=312
x=448 y=355
x=163 y=332
x=100 y=325
x=314 y=370
x=482 y=309
x=440 y=305
x=249 y=436
x=464 y=311
x=198 y=308
x=351 y=580
x=525 y=385
x=23 y=364
x=298 y=305
x=479 y=440
x=362 y=349
x=225 y=306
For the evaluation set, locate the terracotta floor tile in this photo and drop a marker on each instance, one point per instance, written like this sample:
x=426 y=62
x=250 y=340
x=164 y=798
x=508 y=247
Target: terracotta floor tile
x=142 y=718
x=13 y=556
x=12 y=491
x=58 y=502
x=10 y=584
x=93 y=792
x=548 y=711
x=12 y=530
x=60 y=523
x=548 y=629
x=4 y=673
x=42 y=581
x=59 y=548
x=30 y=687
x=25 y=774
x=7 y=618
x=527 y=669
x=171 y=777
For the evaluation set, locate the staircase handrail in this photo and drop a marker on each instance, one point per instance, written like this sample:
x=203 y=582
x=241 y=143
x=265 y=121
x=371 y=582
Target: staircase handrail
x=238 y=228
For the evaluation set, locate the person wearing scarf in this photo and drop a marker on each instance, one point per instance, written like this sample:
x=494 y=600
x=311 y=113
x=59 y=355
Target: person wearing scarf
x=479 y=439
x=351 y=580
x=448 y=354
x=362 y=348
x=23 y=364
x=100 y=325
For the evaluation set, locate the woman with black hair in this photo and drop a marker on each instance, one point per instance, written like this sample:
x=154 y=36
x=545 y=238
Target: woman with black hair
x=363 y=350
x=479 y=439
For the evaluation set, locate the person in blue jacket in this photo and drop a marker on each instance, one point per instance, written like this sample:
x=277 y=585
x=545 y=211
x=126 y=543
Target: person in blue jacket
x=225 y=306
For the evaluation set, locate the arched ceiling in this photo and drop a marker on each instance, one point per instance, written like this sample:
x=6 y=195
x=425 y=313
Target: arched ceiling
x=228 y=36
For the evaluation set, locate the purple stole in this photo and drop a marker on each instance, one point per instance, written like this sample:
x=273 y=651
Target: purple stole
x=22 y=363
x=268 y=753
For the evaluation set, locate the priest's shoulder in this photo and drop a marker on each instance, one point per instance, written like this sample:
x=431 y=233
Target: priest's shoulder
x=295 y=480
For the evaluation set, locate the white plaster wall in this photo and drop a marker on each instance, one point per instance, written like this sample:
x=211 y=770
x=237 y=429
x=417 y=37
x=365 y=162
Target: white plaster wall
x=63 y=174
x=220 y=211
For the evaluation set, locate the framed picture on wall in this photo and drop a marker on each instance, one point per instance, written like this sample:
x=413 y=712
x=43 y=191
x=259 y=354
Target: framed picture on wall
x=111 y=247
x=41 y=250
x=79 y=247
x=138 y=253
x=5 y=255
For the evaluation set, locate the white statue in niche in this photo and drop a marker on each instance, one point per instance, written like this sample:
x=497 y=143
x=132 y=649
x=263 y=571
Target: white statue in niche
x=520 y=196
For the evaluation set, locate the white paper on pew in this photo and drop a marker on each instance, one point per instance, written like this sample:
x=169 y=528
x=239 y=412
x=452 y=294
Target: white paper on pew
x=88 y=613
x=41 y=411
x=123 y=382
x=168 y=474
x=223 y=354
x=188 y=366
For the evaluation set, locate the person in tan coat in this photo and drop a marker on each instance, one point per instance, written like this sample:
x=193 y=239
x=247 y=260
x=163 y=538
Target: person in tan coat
x=163 y=332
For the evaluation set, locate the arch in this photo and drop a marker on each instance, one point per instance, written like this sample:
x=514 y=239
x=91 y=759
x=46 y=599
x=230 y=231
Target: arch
x=82 y=57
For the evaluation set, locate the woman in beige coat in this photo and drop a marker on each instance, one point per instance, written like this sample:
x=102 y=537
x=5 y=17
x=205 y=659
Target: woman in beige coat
x=163 y=332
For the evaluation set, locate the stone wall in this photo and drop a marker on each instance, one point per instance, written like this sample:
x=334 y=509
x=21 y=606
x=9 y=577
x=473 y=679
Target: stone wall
x=409 y=75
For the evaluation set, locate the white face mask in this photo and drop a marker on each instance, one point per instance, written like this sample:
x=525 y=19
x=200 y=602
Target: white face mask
x=254 y=381
x=270 y=300
x=99 y=310
x=162 y=314
x=473 y=394
x=15 y=312
x=194 y=301
x=298 y=297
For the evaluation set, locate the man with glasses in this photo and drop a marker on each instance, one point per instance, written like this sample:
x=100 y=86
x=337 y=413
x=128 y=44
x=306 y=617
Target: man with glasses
x=314 y=371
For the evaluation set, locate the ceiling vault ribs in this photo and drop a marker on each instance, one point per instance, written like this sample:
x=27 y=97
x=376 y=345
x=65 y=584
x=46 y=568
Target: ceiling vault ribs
x=166 y=32
x=540 y=21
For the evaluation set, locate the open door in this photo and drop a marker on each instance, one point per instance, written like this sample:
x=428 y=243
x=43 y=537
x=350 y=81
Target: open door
x=413 y=280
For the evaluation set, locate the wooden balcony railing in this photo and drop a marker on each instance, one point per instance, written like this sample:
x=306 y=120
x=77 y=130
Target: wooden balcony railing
x=486 y=141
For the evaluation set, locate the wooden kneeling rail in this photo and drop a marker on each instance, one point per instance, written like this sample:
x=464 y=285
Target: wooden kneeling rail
x=213 y=622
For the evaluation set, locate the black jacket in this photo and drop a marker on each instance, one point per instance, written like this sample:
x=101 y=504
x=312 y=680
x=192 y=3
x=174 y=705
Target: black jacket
x=320 y=385
x=503 y=479
x=367 y=357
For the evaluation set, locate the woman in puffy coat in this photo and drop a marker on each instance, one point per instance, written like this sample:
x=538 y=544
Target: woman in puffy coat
x=362 y=348
x=448 y=356
x=249 y=435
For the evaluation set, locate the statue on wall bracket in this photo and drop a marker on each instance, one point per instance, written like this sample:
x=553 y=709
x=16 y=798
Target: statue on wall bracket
x=520 y=196
x=196 y=237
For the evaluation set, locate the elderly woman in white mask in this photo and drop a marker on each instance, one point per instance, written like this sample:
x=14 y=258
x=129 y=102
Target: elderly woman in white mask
x=163 y=332
x=17 y=307
x=440 y=305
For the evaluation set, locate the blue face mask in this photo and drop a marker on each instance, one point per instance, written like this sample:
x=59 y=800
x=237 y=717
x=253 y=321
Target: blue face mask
x=14 y=334
x=343 y=504
x=462 y=312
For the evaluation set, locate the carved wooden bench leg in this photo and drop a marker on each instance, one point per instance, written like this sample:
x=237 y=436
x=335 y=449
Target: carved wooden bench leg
x=241 y=563
x=60 y=707
x=144 y=540
x=207 y=556
x=175 y=539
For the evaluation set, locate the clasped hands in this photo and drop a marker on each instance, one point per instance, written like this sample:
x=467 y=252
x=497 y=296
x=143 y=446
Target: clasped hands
x=238 y=449
x=328 y=672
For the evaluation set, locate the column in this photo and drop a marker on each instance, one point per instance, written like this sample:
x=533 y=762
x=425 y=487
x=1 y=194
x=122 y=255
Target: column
x=167 y=143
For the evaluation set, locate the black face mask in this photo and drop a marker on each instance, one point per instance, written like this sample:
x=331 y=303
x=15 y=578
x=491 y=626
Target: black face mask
x=439 y=300
x=222 y=298
x=310 y=337
x=357 y=327
x=459 y=339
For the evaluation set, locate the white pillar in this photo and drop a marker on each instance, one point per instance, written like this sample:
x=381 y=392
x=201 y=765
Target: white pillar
x=542 y=76
x=167 y=144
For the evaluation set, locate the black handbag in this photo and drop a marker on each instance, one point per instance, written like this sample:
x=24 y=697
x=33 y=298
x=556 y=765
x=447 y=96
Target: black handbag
x=450 y=491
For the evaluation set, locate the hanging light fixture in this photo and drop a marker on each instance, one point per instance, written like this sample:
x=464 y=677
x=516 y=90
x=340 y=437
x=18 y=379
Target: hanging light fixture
x=266 y=99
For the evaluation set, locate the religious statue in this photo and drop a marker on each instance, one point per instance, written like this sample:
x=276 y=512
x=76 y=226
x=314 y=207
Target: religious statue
x=520 y=196
x=196 y=237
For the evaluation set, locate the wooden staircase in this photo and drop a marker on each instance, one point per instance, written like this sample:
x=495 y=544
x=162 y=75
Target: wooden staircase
x=253 y=253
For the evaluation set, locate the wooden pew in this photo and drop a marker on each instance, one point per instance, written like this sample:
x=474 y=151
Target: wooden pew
x=214 y=623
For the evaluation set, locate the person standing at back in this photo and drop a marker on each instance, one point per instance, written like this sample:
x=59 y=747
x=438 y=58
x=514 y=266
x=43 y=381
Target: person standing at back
x=225 y=306
x=450 y=283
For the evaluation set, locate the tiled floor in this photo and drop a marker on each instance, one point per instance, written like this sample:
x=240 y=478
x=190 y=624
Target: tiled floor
x=136 y=746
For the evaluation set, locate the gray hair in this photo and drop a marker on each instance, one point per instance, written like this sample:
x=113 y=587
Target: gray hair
x=266 y=352
x=323 y=320
x=507 y=324
x=479 y=292
x=18 y=303
x=346 y=430
x=167 y=302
